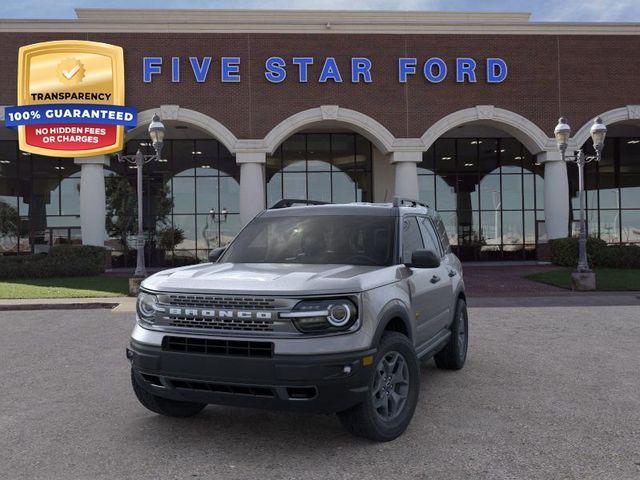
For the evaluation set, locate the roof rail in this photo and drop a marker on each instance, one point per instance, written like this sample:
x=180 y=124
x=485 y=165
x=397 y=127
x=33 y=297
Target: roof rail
x=293 y=202
x=400 y=201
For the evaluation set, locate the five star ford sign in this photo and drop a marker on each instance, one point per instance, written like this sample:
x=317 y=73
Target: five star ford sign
x=70 y=99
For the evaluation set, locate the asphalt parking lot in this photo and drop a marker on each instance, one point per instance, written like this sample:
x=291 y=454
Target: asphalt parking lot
x=551 y=392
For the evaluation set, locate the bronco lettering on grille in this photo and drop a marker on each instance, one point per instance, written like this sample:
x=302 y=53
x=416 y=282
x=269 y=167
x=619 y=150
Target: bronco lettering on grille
x=209 y=313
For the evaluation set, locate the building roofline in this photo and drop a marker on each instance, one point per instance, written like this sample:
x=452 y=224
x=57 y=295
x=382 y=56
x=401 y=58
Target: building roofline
x=310 y=21
x=285 y=15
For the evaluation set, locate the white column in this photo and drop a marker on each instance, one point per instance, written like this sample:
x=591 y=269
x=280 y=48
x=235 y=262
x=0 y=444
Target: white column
x=93 y=208
x=406 y=170
x=556 y=194
x=252 y=193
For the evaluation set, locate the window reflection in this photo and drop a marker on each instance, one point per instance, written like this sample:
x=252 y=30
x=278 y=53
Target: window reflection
x=328 y=167
x=612 y=191
x=199 y=182
x=489 y=191
x=630 y=225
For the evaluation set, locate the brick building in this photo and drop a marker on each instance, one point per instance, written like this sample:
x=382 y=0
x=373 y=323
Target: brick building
x=457 y=109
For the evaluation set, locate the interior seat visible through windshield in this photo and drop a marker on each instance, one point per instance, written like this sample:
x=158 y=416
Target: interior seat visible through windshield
x=316 y=239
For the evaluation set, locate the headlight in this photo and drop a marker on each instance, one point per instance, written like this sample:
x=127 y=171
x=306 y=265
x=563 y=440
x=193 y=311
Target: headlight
x=146 y=306
x=320 y=316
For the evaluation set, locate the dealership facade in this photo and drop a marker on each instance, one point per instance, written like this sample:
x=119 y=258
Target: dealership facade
x=456 y=109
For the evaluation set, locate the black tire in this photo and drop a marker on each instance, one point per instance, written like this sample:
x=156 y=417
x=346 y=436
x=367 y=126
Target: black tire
x=164 y=406
x=365 y=420
x=454 y=354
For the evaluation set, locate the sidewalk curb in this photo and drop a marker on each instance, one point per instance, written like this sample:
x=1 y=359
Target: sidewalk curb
x=57 y=306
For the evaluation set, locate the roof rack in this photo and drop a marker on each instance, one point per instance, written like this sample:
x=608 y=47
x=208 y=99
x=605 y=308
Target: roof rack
x=400 y=201
x=293 y=202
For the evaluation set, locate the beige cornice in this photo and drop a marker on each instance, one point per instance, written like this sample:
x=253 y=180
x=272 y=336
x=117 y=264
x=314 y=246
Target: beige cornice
x=298 y=16
x=297 y=21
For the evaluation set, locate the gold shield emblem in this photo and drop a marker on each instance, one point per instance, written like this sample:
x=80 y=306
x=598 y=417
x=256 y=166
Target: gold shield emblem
x=71 y=72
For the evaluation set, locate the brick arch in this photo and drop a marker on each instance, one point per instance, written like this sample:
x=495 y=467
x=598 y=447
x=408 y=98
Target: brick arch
x=374 y=131
x=622 y=114
x=192 y=117
x=527 y=132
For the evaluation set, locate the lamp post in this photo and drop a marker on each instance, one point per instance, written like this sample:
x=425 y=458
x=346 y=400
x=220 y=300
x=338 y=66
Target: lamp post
x=562 y=133
x=156 y=133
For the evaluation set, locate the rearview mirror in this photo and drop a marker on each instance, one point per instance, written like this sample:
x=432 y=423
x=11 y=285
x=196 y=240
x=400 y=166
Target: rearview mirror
x=424 y=259
x=216 y=253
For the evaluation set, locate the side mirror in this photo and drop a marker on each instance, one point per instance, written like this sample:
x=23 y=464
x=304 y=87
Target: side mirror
x=216 y=253
x=424 y=259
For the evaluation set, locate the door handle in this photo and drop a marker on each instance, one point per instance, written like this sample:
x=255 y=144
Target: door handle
x=452 y=273
x=435 y=279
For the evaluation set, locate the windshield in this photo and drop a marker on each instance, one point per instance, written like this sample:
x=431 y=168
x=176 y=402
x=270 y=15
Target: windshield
x=319 y=239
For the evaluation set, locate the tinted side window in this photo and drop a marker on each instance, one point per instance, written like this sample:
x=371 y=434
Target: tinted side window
x=442 y=234
x=429 y=236
x=411 y=238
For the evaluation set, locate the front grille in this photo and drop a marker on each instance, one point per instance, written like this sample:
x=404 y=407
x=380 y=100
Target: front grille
x=253 y=390
x=232 y=324
x=218 y=347
x=216 y=301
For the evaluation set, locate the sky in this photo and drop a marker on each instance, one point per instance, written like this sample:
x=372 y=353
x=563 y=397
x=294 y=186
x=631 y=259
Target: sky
x=542 y=10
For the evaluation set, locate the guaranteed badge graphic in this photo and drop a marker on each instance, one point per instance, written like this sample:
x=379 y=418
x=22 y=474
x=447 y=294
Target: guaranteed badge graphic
x=71 y=99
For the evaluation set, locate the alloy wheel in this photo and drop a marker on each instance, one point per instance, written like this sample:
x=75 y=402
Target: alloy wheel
x=390 y=385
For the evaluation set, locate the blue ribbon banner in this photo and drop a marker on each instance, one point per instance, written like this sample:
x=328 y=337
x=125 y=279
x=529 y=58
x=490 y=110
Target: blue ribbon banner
x=70 y=113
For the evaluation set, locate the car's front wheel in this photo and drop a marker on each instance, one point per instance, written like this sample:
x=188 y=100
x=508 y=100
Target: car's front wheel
x=164 y=406
x=393 y=392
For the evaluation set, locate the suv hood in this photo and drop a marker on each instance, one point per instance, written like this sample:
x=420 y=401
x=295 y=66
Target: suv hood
x=271 y=279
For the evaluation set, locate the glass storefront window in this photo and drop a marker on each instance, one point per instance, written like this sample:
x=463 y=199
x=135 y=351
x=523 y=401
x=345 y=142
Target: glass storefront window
x=490 y=192
x=207 y=194
x=318 y=149
x=320 y=186
x=70 y=195
x=183 y=194
x=512 y=192
x=630 y=225
x=445 y=195
x=294 y=185
x=612 y=191
x=195 y=189
x=328 y=167
x=630 y=190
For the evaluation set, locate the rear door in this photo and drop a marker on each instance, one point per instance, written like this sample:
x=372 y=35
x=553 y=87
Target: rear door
x=422 y=283
x=444 y=284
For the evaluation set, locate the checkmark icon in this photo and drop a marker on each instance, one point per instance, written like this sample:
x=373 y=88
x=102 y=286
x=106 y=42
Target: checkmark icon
x=71 y=73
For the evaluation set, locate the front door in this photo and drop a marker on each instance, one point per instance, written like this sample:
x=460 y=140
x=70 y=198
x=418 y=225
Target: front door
x=429 y=287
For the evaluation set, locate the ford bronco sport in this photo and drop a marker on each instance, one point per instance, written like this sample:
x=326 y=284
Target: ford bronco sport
x=320 y=308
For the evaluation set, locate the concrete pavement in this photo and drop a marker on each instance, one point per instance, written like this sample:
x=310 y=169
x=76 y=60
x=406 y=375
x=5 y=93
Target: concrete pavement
x=547 y=393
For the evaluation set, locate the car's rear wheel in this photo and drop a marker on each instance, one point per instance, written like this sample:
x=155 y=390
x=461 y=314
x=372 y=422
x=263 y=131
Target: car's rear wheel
x=454 y=354
x=164 y=406
x=393 y=392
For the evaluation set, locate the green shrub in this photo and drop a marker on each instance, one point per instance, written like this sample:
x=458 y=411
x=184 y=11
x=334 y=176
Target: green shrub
x=61 y=261
x=180 y=260
x=618 y=256
x=564 y=252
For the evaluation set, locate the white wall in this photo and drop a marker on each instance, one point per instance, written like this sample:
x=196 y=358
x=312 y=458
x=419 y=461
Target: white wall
x=383 y=177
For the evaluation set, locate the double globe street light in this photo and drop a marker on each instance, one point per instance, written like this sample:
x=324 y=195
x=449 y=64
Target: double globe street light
x=156 y=134
x=583 y=278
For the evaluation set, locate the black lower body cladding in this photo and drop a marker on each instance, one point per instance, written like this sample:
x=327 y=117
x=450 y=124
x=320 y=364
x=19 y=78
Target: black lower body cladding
x=318 y=383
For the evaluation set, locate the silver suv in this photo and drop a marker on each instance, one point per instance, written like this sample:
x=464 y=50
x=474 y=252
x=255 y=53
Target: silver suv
x=320 y=308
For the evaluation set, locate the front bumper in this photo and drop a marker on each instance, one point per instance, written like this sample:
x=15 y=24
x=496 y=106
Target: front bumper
x=312 y=383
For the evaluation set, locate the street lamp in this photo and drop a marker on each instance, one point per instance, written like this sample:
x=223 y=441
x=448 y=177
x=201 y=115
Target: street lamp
x=156 y=133
x=562 y=133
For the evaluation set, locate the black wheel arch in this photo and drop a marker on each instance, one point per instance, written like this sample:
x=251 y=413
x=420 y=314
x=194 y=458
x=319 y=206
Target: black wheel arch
x=394 y=317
